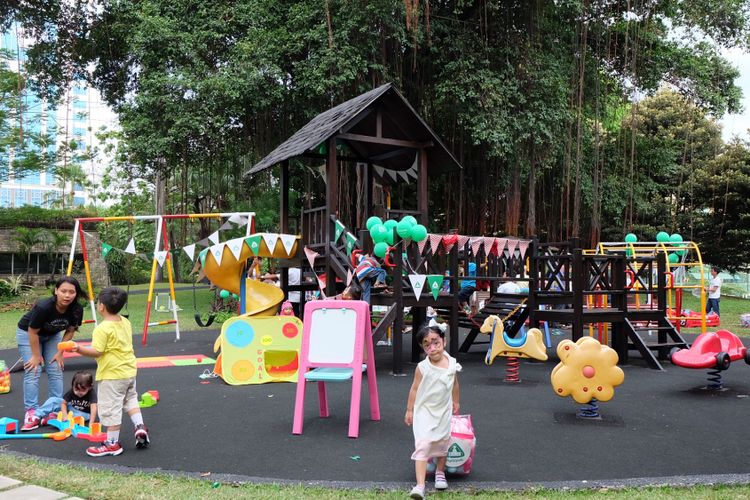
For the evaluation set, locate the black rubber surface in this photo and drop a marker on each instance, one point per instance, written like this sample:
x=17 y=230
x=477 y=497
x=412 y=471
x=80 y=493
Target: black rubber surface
x=660 y=428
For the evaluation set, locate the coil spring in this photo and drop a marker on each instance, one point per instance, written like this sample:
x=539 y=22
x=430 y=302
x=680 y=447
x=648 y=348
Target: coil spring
x=714 y=380
x=591 y=410
x=511 y=370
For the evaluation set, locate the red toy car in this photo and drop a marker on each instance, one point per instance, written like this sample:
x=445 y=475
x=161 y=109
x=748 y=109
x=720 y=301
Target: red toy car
x=711 y=350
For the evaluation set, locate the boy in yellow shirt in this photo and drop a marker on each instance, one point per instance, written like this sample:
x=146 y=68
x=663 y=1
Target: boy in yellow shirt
x=112 y=346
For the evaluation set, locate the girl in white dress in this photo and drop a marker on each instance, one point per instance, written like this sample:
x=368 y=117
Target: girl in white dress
x=433 y=398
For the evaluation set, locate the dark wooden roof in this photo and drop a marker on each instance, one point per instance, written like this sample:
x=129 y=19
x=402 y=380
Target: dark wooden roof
x=357 y=117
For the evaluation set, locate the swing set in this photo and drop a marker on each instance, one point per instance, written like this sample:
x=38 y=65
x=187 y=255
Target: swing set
x=161 y=248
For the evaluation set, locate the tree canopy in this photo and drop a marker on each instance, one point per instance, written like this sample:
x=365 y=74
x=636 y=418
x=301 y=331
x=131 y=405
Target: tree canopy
x=553 y=106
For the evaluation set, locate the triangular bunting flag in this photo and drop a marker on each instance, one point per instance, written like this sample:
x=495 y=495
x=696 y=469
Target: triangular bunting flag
x=488 y=244
x=270 y=239
x=417 y=284
x=218 y=252
x=449 y=240
x=349 y=276
x=253 y=242
x=190 y=251
x=214 y=237
x=511 y=247
x=379 y=170
x=288 y=241
x=235 y=246
x=462 y=240
x=523 y=245
x=475 y=244
x=501 y=242
x=204 y=242
x=421 y=245
x=202 y=256
x=404 y=176
x=311 y=255
x=243 y=221
x=351 y=242
x=339 y=229
x=236 y=219
x=106 y=248
x=435 y=240
x=131 y=247
x=160 y=257
x=435 y=281
x=225 y=226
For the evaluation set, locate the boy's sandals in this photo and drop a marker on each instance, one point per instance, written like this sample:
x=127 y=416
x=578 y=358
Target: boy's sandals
x=207 y=374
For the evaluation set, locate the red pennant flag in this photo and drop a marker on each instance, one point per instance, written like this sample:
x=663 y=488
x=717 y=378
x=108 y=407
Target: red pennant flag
x=435 y=240
x=489 y=243
x=523 y=245
x=311 y=256
x=475 y=244
x=501 y=242
x=512 y=247
x=462 y=240
x=449 y=240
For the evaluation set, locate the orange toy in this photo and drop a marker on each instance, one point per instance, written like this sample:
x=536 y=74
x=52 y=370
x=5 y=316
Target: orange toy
x=68 y=345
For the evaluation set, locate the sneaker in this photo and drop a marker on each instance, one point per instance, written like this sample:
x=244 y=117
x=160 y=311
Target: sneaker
x=45 y=420
x=440 y=482
x=30 y=421
x=104 y=449
x=417 y=493
x=141 y=436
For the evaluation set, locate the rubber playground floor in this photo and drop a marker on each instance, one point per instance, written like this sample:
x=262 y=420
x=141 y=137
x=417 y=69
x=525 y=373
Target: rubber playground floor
x=660 y=428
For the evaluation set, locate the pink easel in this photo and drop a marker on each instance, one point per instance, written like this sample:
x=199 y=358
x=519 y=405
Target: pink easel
x=335 y=335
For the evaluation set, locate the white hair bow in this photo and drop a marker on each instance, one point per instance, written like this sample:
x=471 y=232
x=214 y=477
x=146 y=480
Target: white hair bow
x=440 y=326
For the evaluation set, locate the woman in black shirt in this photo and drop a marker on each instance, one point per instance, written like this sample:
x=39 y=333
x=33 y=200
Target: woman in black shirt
x=49 y=322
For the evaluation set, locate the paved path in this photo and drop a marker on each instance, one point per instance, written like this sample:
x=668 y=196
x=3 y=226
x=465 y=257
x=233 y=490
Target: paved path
x=10 y=489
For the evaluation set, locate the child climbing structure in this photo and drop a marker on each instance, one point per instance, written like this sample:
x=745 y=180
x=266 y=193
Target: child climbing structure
x=257 y=346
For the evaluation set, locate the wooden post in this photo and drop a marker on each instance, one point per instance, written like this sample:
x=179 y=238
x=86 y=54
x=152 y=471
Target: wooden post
x=398 y=323
x=578 y=280
x=284 y=218
x=533 y=281
x=422 y=192
x=332 y=199
x=454 y=288
x=368 y=192
x=619 y=301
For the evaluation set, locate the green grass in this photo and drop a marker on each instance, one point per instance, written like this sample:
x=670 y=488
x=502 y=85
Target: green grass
x=731 y=308
x=96 y=484
x=136 y=311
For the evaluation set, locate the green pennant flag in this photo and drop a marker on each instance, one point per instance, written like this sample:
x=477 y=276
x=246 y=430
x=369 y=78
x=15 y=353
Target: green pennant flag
x=202 y=256
x=253 y=242
x=435 y=281
x=351 y=240
x=106 y=248
x=339 y=229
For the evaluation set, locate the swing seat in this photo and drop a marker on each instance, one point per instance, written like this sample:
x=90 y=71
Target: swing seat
x=209 y=320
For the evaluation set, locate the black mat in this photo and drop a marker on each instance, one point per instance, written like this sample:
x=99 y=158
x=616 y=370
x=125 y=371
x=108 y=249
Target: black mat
x=659 y=424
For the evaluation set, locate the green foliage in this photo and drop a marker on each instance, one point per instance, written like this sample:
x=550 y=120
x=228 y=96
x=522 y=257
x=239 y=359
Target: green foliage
x=29 y=216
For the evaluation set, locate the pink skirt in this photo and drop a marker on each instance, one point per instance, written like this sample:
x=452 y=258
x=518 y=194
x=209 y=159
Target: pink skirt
x=425 y=450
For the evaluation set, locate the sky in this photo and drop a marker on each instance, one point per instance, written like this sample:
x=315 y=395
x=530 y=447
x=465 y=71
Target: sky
x=738 y=124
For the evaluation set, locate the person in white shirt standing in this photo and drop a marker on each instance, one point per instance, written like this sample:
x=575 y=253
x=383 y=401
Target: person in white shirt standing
x=714 y=292
x=295 y=278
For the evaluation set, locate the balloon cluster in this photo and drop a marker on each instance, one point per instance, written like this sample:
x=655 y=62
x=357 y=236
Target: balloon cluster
x=382 y=232
x=665 y=238
x=225 y=294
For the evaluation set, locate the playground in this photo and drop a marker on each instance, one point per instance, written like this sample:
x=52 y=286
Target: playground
x=650 y=404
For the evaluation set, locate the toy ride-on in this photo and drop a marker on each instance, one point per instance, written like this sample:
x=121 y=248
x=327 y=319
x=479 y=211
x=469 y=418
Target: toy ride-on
x=713 y=351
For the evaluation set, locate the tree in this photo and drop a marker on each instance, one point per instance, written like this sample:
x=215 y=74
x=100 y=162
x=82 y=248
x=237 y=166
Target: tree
x=27 y=238
x=52 y=242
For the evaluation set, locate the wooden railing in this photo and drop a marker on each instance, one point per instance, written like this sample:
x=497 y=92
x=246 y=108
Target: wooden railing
x=314 y=226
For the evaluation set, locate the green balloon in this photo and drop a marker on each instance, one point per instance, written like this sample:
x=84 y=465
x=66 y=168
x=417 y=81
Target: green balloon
x=380 y=249
x=224 y=294
x=674 y=258
x=404 y=228
x=631 y=238
x=235 y=296
x=662 y=237
x=412 y=220
x=676 y=238
x=373 y=221
x=390 y=238
x=418 y=232
x=378 y=232
x=390 y=224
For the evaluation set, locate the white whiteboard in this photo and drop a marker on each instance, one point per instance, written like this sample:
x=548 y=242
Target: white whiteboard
x=332 y=336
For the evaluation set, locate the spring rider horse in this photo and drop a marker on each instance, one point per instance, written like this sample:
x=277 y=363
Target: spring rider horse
x=528 y=345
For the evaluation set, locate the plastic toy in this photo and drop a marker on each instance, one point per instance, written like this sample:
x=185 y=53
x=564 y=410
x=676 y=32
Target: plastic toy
x=713 y=351
x=9 y=430
x=4 y=378
x=693 y=319
x=587 y=372
x=528 y=345
x=76 y=427
x=8 y=425
x=149 y=399
x=68 y=345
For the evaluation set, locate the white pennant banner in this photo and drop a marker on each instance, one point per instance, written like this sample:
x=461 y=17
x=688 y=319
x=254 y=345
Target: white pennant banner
x=236 y=218
x=218 y=252
x=131 y=247
x=225 y=226
x=160 y=257
x=270 y=239
x=190 y=251
x=235 y=246
x=288 y=241
x=417 y=284
x=214 y=237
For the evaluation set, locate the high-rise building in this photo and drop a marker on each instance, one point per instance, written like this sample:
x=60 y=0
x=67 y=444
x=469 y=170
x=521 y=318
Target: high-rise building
x=75 y=120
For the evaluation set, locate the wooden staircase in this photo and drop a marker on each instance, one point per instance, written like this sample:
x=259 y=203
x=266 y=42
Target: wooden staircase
x=667 y=339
